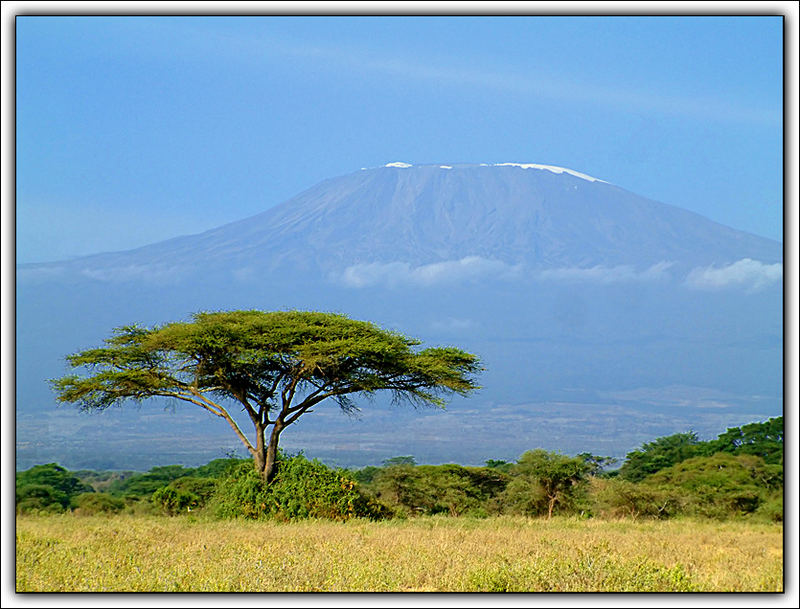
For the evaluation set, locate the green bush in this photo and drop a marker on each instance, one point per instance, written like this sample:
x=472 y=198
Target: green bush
x=437 y=489
x=545 y=482
x=47 y=488
x=762 y=439
x=522 y=496
x=720 y=486
x=88 y=504
x=771 y=509
x=174 y=501
x=659 y=454
x=202 y=488
x=145 y=484
x=218 y=468
x=617 y=498
x=40 y=498
x=300 y=489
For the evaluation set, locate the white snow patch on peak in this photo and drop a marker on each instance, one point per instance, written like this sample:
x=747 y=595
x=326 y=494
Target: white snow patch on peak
x=445 y=167
x=398 y=164
x=552 y=168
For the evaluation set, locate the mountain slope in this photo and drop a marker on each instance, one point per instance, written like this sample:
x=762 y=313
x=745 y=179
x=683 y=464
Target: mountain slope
x=540 y=216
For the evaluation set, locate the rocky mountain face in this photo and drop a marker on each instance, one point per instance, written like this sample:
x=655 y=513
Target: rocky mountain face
x=603 y=319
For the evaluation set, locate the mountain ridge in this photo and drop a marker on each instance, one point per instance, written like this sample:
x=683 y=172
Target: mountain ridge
x=540 y=216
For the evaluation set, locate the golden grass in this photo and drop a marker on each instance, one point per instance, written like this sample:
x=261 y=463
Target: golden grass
x=158 y=554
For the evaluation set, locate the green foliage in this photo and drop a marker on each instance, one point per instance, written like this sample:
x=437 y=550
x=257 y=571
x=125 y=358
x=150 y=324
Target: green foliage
x=498 y=464
x=597 y=465
x=53 y=475
x=437 y=489
x=88 y=504
x=720 y=486
x=744 y=478
x=47 y=488
x=619 y=498
x=300 y=489
x=144 y=485
x=771 y=509
x=761 y=439
x=659 y=454
x=185 y=494
x=542 y=481
x=523 y=495
x=40 y=498
x=365 y=475
x=172 y=500
x=202 y=488
x=218 y=468
x=100 y=481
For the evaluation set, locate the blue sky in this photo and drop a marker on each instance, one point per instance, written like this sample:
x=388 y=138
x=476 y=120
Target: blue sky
x=131 y=130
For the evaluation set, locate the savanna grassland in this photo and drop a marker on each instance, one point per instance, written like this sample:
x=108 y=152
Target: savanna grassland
x=137 y=553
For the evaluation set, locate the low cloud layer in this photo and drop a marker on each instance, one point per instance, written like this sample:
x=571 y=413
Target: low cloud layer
x=749 y=274
x=438 y=273
x=606 y=275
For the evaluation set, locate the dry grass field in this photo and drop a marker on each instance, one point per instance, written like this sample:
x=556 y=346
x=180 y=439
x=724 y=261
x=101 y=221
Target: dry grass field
x=161 y=554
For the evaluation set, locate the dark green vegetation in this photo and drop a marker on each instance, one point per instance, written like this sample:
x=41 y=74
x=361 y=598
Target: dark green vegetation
x=276 y=366
x=740 y=473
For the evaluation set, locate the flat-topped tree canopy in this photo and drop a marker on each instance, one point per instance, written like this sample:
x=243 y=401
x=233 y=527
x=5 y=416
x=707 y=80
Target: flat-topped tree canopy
x=276 y=365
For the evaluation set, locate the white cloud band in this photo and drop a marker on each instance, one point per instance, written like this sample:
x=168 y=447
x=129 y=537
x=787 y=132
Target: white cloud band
x=447 y=272
x=746 y=273
x=605 y=274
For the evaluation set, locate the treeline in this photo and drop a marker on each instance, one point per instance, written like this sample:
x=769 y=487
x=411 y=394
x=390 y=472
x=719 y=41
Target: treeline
x=740 y=473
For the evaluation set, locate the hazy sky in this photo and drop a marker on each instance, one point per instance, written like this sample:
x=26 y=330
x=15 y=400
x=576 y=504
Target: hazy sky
x=131 y=130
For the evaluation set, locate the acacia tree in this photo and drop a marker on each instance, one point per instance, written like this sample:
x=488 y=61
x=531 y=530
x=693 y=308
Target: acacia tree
x=555 y=475
x=275 y=365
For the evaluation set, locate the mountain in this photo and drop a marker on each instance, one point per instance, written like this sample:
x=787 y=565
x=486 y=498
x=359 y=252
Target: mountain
x=540 y=216
x=604 y=319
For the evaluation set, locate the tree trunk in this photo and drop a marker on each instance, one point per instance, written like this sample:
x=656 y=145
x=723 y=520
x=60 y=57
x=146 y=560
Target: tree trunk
x=550 y=505
x=271 y=453
x=260 y=453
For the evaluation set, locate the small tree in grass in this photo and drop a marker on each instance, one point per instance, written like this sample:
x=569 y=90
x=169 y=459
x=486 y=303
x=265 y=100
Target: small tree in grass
x=276 y=366
x=540 y=476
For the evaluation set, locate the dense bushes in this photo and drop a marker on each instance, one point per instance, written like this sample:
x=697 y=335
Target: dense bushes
x=542 y=480
x=738 y=474
x=763 y=440
x=88 y=504
x=300 y=489
x=721 y=485
x=47 y=488
x=442 y=489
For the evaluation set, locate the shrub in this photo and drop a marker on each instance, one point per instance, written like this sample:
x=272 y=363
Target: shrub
x=88 y=504
x=437 y=489
x=771 y=510
x=201 y=488
x=617 y=498
x=173 y=501
x=720 y=486
x=145 y=484
x=523 y=496
x=659 y=454
x=40 y=498
x=47 y=488
x=542 y=481
x=300 y=489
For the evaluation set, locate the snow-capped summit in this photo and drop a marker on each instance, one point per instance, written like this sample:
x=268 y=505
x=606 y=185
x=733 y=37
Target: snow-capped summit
x=552 y=168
